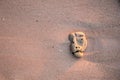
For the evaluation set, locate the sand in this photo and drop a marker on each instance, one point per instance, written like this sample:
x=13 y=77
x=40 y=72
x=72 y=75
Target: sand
x=34 y=41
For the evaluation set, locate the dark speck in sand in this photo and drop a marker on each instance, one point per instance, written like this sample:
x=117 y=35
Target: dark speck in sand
x=36 y=20
x=52 y=46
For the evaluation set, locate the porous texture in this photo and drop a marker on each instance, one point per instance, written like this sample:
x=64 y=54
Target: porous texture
x=78 y=43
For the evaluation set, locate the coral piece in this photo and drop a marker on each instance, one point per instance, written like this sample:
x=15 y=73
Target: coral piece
x=78 y=43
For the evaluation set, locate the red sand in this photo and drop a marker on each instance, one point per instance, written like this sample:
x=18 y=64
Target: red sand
x=34 y=39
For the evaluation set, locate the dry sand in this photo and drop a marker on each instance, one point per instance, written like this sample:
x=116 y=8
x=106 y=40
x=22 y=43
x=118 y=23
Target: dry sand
x=34 y=41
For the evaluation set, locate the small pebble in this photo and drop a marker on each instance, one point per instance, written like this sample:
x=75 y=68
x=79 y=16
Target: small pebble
x=3 y=19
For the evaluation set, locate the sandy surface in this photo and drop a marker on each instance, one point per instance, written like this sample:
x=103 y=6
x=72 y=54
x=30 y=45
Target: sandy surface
x=34 y=41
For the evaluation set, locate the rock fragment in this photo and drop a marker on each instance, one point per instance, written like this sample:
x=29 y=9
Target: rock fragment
x=78 y=43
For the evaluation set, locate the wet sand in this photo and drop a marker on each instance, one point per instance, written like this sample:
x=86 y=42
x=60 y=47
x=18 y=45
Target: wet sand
x=34 y=41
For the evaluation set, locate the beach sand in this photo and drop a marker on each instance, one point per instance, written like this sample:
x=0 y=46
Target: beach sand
x=34 y=41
